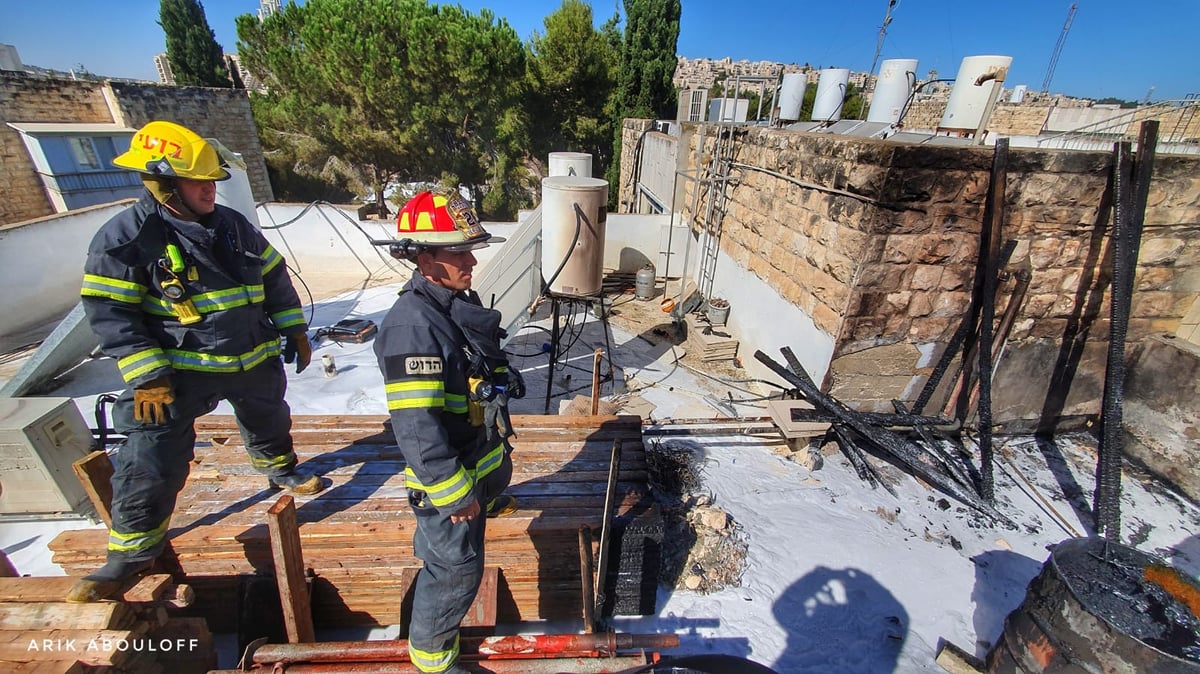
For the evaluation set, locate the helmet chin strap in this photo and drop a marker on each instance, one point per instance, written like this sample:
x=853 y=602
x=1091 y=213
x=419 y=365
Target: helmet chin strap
x=166 y=192
x=177 y=206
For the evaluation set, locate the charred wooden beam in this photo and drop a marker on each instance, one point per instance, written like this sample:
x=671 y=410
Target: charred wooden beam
x=886 y=440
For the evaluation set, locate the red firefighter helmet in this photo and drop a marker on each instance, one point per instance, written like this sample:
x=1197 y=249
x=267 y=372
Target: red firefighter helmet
x=444 y=220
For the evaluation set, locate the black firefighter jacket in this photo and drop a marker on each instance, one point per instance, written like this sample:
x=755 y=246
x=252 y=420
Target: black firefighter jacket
x=234 y=280
x=428 y=345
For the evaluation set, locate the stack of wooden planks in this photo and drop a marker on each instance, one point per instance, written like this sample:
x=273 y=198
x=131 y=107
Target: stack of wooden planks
x=356 y=536
x=709 y=342
x=140 y=633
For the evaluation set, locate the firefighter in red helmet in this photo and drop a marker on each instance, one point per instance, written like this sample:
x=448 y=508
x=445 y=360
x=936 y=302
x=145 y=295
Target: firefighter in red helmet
x=448 y=383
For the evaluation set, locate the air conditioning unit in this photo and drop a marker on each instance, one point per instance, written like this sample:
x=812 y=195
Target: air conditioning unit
x=39 y=440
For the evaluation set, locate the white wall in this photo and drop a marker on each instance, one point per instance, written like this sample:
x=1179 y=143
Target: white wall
x=41 y=270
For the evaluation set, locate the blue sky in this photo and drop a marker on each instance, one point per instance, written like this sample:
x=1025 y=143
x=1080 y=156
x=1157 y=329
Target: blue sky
x=1115 y=47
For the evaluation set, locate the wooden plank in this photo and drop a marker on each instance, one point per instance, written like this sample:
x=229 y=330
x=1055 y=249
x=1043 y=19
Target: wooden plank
x=957 y=661
x=91 y=647
x=45 y=667
x=95 y=473
x=149 y=588
x=53 y=614
x=289 y=571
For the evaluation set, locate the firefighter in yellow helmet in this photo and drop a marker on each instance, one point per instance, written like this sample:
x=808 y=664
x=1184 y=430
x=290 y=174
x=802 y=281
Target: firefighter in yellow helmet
x=447 y=384
x=193 y=304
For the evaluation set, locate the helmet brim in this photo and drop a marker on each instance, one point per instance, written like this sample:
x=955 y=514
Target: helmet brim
x=470 y=245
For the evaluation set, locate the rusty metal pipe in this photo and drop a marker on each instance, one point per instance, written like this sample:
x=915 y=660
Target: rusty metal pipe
x=515 y=646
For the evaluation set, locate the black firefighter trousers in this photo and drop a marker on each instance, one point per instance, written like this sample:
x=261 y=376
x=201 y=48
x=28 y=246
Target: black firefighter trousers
x=150 y=468
x=453 y=569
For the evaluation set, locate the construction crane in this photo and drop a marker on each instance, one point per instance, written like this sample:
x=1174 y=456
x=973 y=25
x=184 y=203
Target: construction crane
x=1062 y=38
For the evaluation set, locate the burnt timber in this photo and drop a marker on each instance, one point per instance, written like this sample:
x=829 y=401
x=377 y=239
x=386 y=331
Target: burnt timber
x=356 y=536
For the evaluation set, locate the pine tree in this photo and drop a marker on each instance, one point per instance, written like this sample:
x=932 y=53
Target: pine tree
x=192 y=49
x=648 y=59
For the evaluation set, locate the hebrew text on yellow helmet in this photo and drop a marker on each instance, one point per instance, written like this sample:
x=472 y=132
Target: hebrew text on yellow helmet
x=169 y=150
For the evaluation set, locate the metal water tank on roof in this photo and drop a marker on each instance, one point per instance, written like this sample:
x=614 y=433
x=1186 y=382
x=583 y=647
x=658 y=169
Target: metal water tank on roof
x=571 y=164
x=574 y=214
x=791 y=96
x=968 y=101
x=831 y=93
x=897 y=79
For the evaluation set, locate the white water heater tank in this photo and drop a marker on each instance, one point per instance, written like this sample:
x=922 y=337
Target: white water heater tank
x=897 y=79
x=791 y=96
x=968 y=101
x=574 y=213
x=571 y=164
x=235 y=192
x=831 y=93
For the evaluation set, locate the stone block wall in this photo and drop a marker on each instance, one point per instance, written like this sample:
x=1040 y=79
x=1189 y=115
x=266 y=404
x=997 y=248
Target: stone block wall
x=877 y=241
x=27 y=99
x=223 y=114
x=219 y=113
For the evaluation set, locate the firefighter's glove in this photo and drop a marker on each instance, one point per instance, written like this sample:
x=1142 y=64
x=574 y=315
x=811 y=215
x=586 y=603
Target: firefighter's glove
x=150 y=400
x=297 y=348
x=495 y=415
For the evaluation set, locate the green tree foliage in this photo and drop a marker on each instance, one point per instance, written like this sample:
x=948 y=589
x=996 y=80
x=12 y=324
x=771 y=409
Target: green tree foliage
x=192 y=49
x=648 y=60
x=572 y=77
x=404 y=90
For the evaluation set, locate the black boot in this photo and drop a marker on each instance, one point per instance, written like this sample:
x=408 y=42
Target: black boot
x=298 y=483
x=105 y=582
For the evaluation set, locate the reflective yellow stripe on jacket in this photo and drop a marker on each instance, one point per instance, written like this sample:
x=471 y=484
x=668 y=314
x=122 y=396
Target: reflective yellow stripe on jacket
x=287 y=318
x=106 y=287
x=137 y=364
x=136 y=541
x=207 y=362
x=271 y=259
x=448 y=491
x=207 y=303
x=416 y=394
x=434 y=661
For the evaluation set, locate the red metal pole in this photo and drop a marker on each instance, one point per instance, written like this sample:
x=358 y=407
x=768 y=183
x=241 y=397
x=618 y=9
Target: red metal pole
x=498 y=647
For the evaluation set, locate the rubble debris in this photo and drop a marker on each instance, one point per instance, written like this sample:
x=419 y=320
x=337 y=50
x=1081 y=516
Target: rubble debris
x=704 y=548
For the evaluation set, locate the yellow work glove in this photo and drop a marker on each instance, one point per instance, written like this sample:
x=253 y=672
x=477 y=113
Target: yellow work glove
x=297 y=348
x=150 y=400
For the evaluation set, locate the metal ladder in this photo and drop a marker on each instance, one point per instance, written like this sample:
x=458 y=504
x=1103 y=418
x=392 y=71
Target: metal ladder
x=716 y=203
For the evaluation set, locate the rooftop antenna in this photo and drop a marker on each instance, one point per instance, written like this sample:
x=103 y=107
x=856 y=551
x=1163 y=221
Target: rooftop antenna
x=1062 y=38
x=887 y=20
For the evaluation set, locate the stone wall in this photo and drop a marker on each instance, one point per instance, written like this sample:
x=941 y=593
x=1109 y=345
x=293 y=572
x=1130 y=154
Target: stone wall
x=25 y=99
x=223 y=114
x=219 y=113
x=877 y=241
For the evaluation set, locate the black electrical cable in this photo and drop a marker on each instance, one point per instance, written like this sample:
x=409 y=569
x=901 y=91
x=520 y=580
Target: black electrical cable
x=312 y=306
